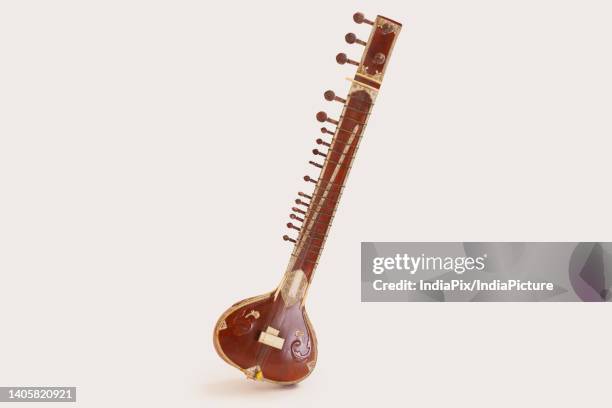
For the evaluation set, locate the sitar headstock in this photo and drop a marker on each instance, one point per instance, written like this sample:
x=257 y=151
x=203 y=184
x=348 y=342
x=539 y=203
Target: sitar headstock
x=378 y=48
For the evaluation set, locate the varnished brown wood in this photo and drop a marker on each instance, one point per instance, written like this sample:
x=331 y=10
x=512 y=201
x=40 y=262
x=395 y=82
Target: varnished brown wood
x=344 y=146
x=381 y=41
x=238 y=344
x=269 y=337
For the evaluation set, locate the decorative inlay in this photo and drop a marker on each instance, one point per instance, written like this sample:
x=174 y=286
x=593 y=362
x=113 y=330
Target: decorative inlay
x=253 y=313
x=293 y=287
x=300 y=348
x=311 y=365
x=254 y=373
x=388 y=27
x=222 y=325
x=364 y=71
x=241 y=324
x=299 y=333
x=358 y=86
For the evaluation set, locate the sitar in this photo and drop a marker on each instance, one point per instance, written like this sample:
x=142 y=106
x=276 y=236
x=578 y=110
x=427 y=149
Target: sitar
x=269 y=337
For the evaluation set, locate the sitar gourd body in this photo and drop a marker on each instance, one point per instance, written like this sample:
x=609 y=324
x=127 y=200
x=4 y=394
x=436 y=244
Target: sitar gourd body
x=269 y=337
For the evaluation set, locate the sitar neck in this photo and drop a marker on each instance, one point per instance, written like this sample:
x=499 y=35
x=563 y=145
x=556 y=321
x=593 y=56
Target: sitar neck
x=314 y=212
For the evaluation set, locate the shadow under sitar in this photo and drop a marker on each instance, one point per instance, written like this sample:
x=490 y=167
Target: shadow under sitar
x=239 y=387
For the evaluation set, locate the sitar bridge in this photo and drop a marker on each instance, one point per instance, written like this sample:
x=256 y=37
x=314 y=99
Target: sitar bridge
x=270 y=338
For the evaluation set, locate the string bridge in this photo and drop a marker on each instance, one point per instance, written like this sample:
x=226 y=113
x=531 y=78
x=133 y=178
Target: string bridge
x=270 y=338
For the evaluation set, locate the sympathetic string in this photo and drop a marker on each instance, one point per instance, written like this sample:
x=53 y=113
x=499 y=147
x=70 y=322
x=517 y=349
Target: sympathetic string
x=339 y=154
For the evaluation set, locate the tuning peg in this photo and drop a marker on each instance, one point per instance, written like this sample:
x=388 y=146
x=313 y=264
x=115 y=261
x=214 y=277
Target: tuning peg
x=331 y=96
x=287 y=238
x=290 y=225
x=300 y=202
x=305 y=195
x=321 y=142
x=295 y=217
x=360 y=18
x=325 y=130
x=322 y=117
x=315 y=164
x=297 y=210
x=379 y=58
x=343 y=59
x=308 y=178
x=352 y=39
x=318 y=152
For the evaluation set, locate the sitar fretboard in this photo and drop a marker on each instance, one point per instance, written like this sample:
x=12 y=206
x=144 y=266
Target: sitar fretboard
x=314 y=212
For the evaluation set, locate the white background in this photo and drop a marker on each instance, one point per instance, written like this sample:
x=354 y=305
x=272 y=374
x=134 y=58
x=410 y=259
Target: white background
x=150 y=152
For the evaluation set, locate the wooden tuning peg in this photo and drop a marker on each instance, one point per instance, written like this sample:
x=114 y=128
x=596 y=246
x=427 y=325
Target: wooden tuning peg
x=331 y=96
x=297 y=210
x=295 y=217
x=305 y=195
x=322 y=142
x=317 y=152
x=322 y=117
x=287 y=238
x=325 y=130
x=343 y=59
x=291 y=225
x=360 y=18
x=300 y=202
x=352 y=39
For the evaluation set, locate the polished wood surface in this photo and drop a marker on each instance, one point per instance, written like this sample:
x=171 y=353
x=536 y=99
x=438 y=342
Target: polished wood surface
x=331 y=181
x=269 y=337
x=238 y=343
